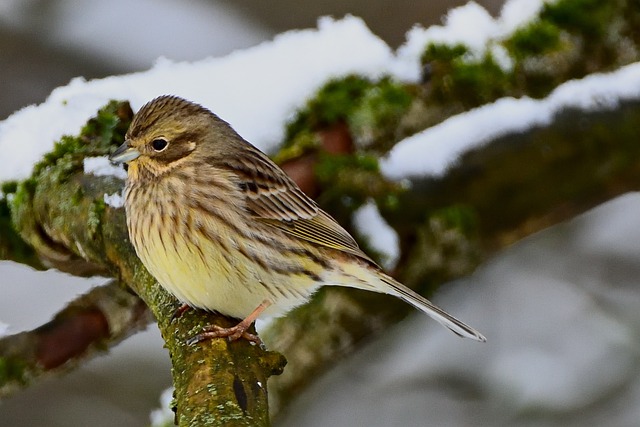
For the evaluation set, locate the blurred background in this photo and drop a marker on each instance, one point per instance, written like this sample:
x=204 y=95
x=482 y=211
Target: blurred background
x=560 y=308
x=45 y=43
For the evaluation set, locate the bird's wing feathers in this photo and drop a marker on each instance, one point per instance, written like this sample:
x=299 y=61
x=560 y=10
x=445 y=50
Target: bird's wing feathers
x=276 y=200
x=321 y=230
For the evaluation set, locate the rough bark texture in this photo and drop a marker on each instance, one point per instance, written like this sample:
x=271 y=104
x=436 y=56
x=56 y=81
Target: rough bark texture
x=89 y=325
x=61 y=213
x=494 y=196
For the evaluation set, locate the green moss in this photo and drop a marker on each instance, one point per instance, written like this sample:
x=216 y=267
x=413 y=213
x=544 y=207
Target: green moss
x=372 y=109
x=443 y=52
x=12 y=370
x=481 y=81
x=24 y=192
x=536 y=38
x=22 y=198
x=331 y=165
x=333 y=102
x=94 y=221
x=455 y=76
x=458 y=217
x=374 y=120
x=96 y=138
x=7 y=191
x=373 y=112
x=12 y=246
x=348 y=181
x=303 y=142
x=568 y=40
x=4 y=209
x=590 y=18
x=9 y=187
x=101 y=127
x=66 y=145
x=77 y=196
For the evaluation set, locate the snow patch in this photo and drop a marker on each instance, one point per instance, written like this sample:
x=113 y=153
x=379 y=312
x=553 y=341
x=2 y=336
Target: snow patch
x=434 y=150
x=4 y=329
x=101 y=166
x=256 y=90
x=470 y=25
x=114 y=200
x=379 y=234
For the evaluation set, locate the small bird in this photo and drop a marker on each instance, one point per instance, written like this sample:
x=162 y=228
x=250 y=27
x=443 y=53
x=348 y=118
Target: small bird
x=223 y=228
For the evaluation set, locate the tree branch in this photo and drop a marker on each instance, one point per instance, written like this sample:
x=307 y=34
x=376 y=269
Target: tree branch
x=89 y=325
x=494 y=196
x=465 y=217
x=61 y=212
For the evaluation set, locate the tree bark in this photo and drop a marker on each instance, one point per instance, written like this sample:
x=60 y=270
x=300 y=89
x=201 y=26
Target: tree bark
x=495 y=195
x=61 y=213
x=89 y=325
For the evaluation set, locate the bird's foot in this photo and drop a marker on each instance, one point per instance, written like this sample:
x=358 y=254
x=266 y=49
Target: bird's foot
x=235 y=332
x=179 y=312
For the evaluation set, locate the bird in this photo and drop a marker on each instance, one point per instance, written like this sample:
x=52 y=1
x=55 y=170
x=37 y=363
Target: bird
x=222 y=228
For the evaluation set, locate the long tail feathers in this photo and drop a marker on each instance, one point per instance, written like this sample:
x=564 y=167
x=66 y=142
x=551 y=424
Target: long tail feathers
x=436 y=313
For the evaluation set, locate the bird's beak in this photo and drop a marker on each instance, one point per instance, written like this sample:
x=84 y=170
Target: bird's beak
x=125 y=153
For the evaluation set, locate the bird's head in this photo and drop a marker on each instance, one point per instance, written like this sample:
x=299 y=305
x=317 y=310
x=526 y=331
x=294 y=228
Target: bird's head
x=165 y=133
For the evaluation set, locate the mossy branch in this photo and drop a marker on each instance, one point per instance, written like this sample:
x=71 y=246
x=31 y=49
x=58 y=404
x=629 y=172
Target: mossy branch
x=89 y=325
x=495 y=195
x=60 y=211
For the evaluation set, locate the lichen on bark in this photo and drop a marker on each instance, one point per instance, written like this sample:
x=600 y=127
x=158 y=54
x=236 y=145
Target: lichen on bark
x=60 y=211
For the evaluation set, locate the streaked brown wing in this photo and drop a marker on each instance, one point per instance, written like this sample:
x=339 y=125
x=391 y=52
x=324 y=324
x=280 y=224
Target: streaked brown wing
x=275 y=199
x=321 y=230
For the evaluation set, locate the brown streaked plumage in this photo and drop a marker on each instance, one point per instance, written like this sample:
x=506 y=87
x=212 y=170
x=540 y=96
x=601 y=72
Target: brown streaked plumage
x=223 y=228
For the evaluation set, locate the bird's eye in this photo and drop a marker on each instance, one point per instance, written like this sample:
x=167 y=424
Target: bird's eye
x=159 y=144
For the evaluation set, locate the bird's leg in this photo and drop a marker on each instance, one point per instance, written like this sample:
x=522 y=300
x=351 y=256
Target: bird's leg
x=180 y=311
x=235 y=332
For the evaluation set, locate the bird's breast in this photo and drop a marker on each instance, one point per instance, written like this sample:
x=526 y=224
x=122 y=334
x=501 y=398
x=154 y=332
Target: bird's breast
x=206 y=252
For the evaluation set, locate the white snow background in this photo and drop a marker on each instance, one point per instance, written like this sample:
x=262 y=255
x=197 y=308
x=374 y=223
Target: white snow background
x=563 y=333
